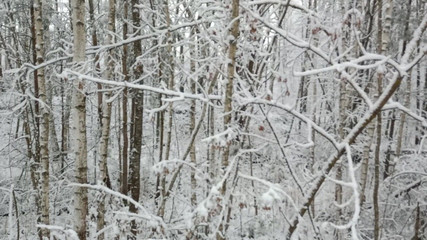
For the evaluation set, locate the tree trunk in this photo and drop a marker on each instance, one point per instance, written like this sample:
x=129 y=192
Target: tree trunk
x=65 y=123
x=169 y=75
x=384 y=49
x=106 y=119
x=36 y=82
x=378 y=131
x=228 y=102
x=417 y=225
x=377 y=169
x=365 y=162
x=44 y=126
x=124 y=175
x=54 y=149
x=193 y=180
x=96 y=60
x=342 y=133
x=137 y=119
x=78 y=121
x=369 y=18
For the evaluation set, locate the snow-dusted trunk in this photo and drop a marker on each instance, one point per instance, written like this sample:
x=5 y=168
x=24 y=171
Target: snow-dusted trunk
x=36 y=86
x=385 y=41
x=54 y=149
x=375 y=199
x=341 y=133
x=124 y=175
x=365 y=162
x=33 y=152
x=407 y=104
x=213 y=166
x=228 y=101
x=313 y=5
x=169 y=76
x=377 y=169
x=193 y=52
x=231 y=67
x=369 y=18
x=44 y=126
x=78 y=121
x=106 y=119
x=137 y=117
x=65 y=123
x=96 y=60
x=342 y=123
x=193 y=125
x=313 y=137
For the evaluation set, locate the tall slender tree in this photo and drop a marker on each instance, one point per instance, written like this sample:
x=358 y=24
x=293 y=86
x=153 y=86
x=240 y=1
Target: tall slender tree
x=106 y=118
x=78 y=120
x=124 y=176
x=44 y=126
x=228 y=101
x=137 y=118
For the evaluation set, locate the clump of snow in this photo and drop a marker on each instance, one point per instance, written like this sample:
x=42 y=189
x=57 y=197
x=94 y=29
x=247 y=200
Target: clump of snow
x=381 y=69
x=269 y=197
x=202 y=211
x=214 y=191
x=221 y=139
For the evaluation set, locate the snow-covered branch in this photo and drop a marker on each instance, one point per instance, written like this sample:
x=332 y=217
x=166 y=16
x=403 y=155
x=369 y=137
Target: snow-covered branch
x=181 y=95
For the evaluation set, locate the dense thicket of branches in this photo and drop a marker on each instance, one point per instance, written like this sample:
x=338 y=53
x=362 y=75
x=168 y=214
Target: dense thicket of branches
x=233 y=119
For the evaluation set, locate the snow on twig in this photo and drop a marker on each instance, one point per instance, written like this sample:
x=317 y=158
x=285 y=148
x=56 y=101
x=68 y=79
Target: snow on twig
x=412 y=45
x=217 y=138
x=181 y=95
x=297 y=114
x=292 y=3
x=204 y=205
x=151 y=112
x=354 y=185
x=399 y=106
x=275 y=187
x=157 y=168
x=146 y=214
x=353 y=64
x=67 y=232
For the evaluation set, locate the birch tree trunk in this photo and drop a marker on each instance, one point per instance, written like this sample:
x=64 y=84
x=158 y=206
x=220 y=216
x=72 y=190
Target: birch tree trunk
x=342 y=123
x=341 y=133
x=407 y=103
x=365 y=162
x=96 y=60
x=33 y=155
x=228 y=101
x=382 y=41
x=193 y=180
x=369 y=18
x=54 y=150
x=44 y=126
x=78 y=120
x=106 y=119
x=169 y=75
x=36 y=85
x=213 y=166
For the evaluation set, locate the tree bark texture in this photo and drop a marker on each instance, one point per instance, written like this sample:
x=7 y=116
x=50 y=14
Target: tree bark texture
x=44 y=126
x=78 y=120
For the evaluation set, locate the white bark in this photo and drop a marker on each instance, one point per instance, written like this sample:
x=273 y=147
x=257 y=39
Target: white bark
x=78 y=121
x=106 y=119
x=228 y=102
x=44 y=126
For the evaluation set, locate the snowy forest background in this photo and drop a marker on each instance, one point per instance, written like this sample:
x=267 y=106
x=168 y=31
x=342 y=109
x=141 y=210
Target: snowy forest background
x=232 y=119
